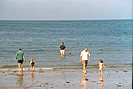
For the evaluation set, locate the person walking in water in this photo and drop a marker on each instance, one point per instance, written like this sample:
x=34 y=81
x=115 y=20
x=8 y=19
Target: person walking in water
x=20 y=57
x=84 y=57
x=32 y=63
x=62 y=49
x=101 y=65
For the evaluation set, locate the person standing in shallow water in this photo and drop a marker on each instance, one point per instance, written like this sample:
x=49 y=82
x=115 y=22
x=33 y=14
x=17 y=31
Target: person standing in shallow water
x=32 y=63
x=20 y=57
x=84 y=57
x=62 y=49
x=101 y=65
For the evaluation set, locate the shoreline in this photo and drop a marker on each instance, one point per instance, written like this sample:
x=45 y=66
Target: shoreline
x=78 y=66
x=28 y=69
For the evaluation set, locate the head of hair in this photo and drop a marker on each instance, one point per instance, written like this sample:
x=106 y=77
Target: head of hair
x=101 y=61
x=86 y=49
x=20 y=49
x=32 y=59
x=62 y=42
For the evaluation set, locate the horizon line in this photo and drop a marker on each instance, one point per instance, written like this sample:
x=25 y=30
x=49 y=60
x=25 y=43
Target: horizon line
x=61 y=19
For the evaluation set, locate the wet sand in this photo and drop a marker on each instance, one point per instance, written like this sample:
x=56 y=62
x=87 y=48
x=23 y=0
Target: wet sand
x=66 y=79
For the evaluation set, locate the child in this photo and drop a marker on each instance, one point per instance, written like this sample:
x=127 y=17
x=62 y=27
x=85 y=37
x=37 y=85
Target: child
x=32 y=64
x=101 y=65
x=70 y=54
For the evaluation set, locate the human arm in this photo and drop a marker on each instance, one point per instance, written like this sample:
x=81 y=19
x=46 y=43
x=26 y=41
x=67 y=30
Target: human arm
x=30 y=63
x=60 y=49
x=103 y=66
x=64 y=49
x=80 y=58
x=16 y=57
x=24 y=58
x=89 y=59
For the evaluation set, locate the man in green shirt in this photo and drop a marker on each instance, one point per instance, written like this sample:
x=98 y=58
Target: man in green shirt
x=20 y=57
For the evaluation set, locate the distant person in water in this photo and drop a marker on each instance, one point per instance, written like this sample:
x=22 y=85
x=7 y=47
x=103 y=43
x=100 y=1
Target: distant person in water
x=70 y=54
x=62 y=49
x=101 y=65
x=84 y=57
x=20 y=57
x=32 y=63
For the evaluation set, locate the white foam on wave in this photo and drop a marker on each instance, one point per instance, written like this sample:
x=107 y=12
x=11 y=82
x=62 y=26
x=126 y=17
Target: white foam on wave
x=26 y=69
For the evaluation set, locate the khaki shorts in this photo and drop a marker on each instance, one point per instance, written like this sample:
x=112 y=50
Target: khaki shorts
x=85 y=62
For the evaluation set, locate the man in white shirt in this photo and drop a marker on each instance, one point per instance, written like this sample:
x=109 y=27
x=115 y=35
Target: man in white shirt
x=84 y=56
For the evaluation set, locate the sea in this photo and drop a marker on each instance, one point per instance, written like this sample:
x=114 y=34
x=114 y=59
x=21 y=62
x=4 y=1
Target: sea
x=109 y=40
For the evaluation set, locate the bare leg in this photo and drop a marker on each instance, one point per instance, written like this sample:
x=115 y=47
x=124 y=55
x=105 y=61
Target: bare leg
x=61 y=53
x=19 y=66
x=101 y=72
x=64 y=53
x=84 y=68
x=84 y=76
x=32 y=68
x=19 y=73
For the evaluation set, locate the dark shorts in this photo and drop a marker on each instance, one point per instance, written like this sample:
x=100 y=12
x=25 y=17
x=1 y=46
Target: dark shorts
x=20 y=61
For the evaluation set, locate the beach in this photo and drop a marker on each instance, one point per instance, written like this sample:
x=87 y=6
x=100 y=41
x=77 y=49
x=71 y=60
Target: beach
x=109 y=40
x=66 y=79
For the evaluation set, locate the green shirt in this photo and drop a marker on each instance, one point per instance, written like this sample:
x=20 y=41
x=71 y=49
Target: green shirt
x=20 y=55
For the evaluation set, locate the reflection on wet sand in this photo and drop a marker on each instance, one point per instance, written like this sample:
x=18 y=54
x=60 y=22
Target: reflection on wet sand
x=20 y=78
x=84 y=82
x=32 y=75
x=63 y=75
x=101 y=81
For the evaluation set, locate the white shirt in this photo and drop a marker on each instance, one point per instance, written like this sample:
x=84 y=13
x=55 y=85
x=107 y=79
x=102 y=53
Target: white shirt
x=85 y=55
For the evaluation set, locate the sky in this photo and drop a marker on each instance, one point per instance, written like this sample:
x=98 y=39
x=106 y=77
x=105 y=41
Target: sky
x=65 y=9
